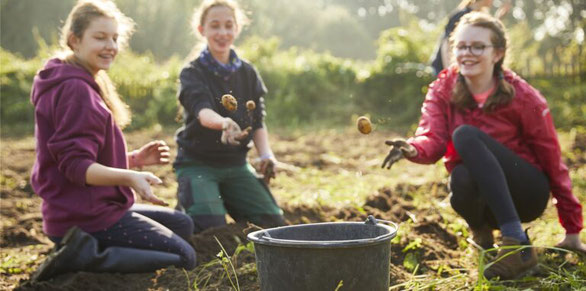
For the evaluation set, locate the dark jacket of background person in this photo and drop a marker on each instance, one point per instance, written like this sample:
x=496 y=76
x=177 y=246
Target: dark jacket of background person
x=75 y=129
x=200 y=89
x=437 y=63
x=525 y=126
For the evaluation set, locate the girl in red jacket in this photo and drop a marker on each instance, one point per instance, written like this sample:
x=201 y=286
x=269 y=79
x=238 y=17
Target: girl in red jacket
x=497 y=138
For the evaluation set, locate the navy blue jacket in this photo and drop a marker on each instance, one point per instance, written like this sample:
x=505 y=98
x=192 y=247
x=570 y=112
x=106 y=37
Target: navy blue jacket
x=201 y=89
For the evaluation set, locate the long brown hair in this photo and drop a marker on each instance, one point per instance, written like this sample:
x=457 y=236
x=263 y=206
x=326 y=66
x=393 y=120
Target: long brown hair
x=504 y=93
x=198 y=18
x=79 y=19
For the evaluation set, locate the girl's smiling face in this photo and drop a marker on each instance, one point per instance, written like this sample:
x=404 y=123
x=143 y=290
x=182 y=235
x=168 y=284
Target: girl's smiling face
x=98 y=45
x=220 y=30
x=474 y=52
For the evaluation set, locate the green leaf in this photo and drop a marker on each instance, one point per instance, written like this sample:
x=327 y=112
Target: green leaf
x=410 y=262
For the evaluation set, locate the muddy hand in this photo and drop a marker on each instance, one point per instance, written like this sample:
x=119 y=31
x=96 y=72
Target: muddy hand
x=244 y=134
x=231 y=132
x=399 y=150
x=268 y=169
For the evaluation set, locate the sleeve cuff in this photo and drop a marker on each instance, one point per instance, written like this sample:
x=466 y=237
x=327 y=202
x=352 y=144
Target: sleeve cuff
x=78 y=172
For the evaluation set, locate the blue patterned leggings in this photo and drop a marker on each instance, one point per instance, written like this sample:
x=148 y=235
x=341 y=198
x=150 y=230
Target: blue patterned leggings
x=152 y=228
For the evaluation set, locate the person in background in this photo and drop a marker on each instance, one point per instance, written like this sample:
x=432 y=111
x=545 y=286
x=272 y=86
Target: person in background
x=214 y=177
x=441 y=57
x=499 y=144
x=82 y=166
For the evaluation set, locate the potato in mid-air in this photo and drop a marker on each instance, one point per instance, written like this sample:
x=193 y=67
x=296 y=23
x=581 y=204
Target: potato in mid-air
x=229 y=102
x=364 y=125
x=250 y=105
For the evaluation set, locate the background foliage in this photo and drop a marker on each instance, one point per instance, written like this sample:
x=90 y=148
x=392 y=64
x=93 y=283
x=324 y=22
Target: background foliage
x=324 y=62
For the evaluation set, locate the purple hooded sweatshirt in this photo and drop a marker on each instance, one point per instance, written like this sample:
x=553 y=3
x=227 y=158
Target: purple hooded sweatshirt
x=74 y=129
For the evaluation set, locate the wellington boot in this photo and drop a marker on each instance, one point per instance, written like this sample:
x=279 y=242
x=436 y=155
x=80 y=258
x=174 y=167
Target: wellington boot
x=514 y=260
x=79 y=251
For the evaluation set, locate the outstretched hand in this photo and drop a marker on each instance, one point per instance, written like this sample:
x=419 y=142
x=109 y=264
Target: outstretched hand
x=231 y=132
x=141 y=184
x=399 y=149
x=153 y=153
x=572 y=242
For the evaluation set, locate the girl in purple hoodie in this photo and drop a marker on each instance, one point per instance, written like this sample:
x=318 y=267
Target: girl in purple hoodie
x=82 y=168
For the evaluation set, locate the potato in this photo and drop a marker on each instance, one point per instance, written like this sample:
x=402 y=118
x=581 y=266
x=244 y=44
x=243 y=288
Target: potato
x=364 y=125
x=250 y=105
x=229 y=102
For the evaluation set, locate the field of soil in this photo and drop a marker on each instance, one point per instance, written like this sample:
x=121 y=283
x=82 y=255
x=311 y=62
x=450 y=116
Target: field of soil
x=430 y=246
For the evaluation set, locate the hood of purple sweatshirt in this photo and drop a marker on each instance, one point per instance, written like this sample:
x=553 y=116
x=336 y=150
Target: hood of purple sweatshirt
x=54 y=73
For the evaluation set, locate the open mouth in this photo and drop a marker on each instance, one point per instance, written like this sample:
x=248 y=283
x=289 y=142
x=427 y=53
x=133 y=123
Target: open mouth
x=107 y=57
x=468 y=63
x=222 y=43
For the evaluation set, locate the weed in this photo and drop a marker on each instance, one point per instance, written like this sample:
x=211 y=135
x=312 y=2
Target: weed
x=411 y=262
x=225 y=260
x=414 y=245
x=203 y=276
x=187 y=278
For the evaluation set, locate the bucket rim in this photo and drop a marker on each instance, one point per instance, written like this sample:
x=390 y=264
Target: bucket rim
x=258 y=238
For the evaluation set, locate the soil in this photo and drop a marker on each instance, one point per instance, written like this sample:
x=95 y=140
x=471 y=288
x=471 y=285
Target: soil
x=439 y=252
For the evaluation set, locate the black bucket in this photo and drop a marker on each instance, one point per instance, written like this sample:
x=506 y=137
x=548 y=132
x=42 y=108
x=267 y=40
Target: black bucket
x=319 y=256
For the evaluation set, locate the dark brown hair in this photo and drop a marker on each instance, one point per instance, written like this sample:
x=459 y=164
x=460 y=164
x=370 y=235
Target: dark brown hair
x=504 y=93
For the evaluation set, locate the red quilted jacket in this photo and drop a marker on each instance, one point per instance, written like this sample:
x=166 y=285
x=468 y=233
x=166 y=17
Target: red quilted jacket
x=525 y=126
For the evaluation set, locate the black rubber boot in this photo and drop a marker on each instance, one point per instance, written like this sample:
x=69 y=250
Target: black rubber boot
x=78 y=251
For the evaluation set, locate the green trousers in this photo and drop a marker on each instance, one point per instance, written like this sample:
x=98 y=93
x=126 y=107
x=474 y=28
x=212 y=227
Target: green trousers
x=207 y=194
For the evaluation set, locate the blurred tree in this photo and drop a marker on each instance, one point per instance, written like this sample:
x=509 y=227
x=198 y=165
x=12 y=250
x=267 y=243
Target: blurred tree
x=19 y=18
x=162 y=27
x=345 y=28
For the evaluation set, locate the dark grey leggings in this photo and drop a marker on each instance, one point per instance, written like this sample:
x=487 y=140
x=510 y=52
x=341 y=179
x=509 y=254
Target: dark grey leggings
x=493 y=185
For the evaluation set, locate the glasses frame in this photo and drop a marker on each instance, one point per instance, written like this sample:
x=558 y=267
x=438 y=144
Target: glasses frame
x=471 y=48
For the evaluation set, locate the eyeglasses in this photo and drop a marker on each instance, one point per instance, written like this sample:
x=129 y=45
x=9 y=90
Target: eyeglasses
x=475 y=49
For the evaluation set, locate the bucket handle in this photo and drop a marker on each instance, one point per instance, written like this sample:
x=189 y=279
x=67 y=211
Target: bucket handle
x=373 y=221
x=264 y=232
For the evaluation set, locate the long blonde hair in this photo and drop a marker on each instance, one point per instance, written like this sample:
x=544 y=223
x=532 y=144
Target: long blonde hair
x=504 y=93
x=79 y=19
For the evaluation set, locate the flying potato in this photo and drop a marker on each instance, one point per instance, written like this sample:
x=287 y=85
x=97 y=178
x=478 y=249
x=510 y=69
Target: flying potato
x=229 y=102
x=364 y=125
x=250 y=105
